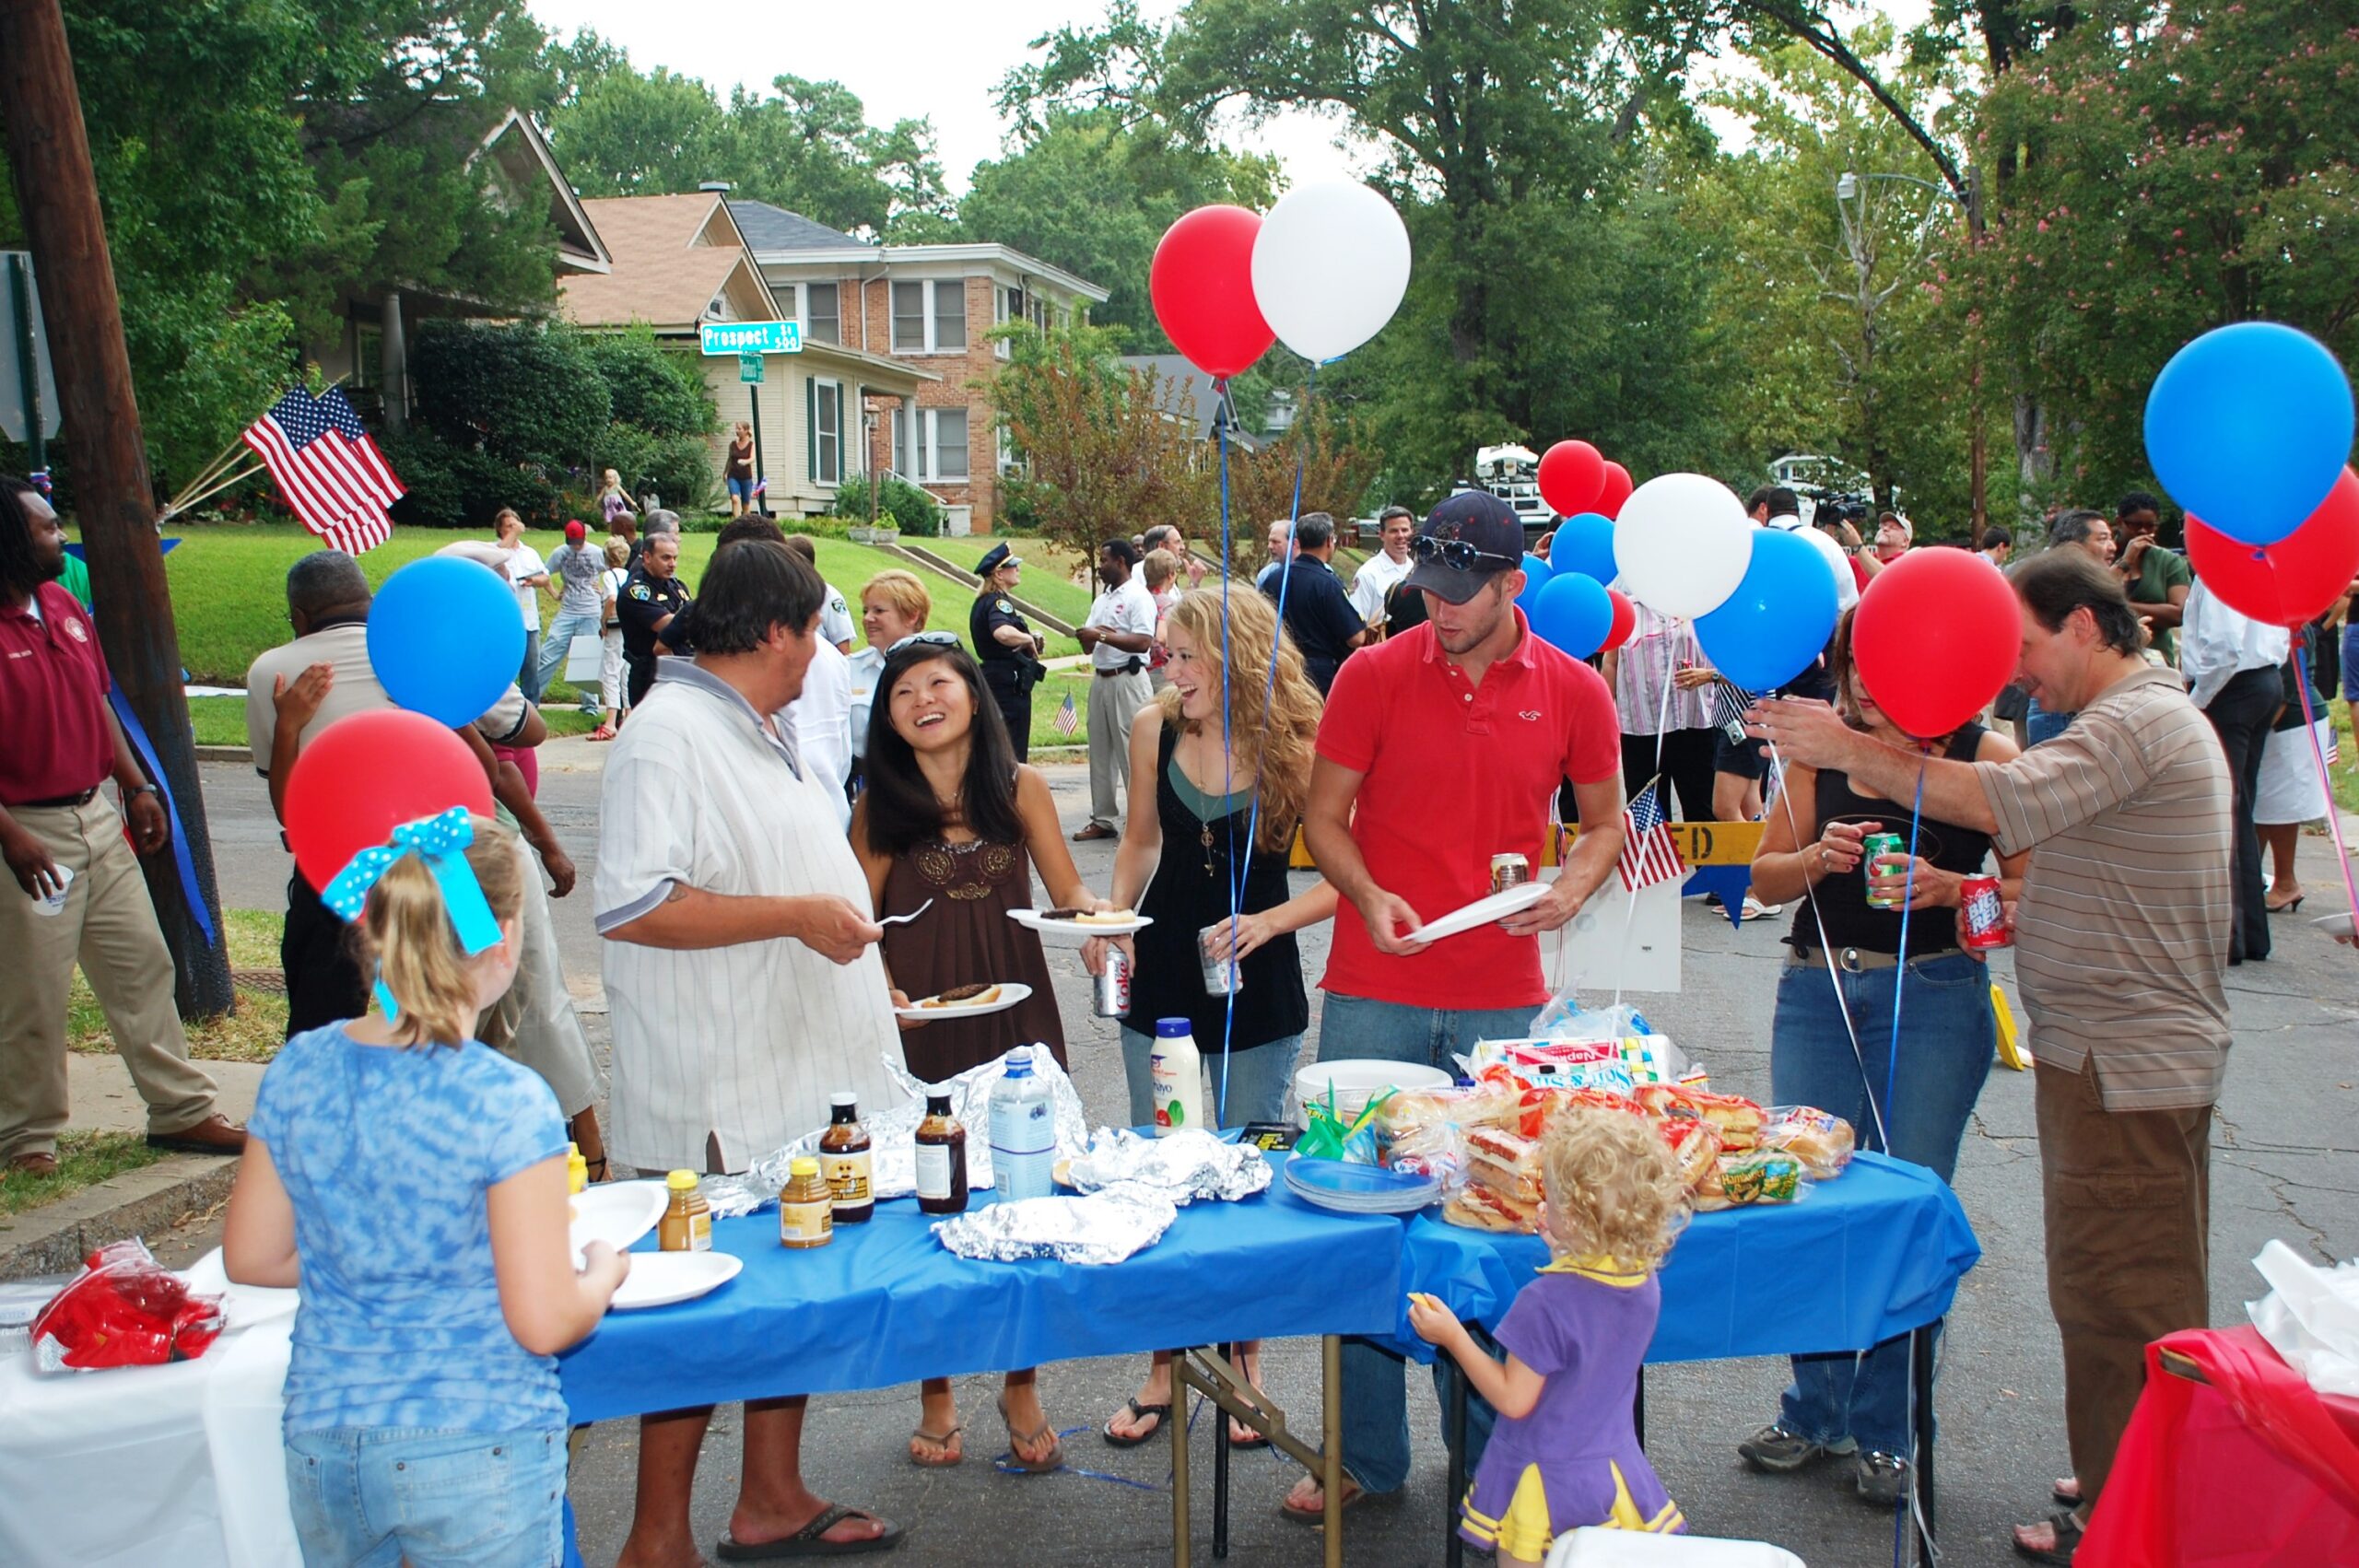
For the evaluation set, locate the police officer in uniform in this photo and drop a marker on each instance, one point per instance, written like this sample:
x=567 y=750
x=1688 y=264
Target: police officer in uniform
x=1006 y=646
x=653 y=595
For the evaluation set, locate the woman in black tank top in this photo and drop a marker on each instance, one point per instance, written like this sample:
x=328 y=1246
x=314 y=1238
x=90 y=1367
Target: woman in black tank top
x=1853 y=1406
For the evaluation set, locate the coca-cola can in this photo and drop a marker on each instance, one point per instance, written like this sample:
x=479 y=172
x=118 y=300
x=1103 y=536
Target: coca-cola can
x=1111 y=988
x=1986 y=915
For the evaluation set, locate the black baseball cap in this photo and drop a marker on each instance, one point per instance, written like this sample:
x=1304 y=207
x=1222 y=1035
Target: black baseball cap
x=1490 y=530
x=998 y=556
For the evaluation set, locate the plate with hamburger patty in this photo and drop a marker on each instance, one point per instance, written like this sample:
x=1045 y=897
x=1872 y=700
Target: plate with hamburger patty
x=1071 y=927
x=967 y=1001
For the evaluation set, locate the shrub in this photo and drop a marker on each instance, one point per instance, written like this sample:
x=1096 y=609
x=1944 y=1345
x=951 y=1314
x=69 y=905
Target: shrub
x=656 y=390
x=897 y=503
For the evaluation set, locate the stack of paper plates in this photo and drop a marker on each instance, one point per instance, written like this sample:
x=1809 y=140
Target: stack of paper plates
x=1352 y=1188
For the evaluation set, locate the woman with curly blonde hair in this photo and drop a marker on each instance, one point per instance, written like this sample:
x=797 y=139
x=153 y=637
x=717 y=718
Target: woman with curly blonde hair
x=1196 y=774
x=1566 y=1451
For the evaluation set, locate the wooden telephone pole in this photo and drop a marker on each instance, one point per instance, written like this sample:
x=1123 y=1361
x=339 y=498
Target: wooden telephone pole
x=49 y=153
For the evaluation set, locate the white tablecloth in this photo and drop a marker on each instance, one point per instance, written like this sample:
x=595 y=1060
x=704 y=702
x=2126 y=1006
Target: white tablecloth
x=139 y=1467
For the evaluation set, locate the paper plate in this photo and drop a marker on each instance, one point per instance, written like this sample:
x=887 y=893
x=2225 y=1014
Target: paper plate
x=1481 y=912
x=1009 y=993
x=659 y=1279
x=1073 y=933
x=1352 y=1188
x=2334 y=925
x=616 y=1212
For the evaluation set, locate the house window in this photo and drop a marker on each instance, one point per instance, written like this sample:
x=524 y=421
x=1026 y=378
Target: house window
x=949 y=443
x=950 y=314
x=825 y=408
x=909 y=318
x=932 y=445
x=822 y=318
x=930 y=317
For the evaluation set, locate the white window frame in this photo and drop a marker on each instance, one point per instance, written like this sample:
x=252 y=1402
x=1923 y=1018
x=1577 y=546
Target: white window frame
x=814 y=468
x=932 y=299
x=917 y=445
x=803 y=309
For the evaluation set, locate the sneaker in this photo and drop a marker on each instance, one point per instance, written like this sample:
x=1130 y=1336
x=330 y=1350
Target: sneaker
x=1776 y=1450
x=1882 y=1479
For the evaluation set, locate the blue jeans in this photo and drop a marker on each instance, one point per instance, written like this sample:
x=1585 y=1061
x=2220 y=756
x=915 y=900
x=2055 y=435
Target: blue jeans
x=2042 y=724
x=370 y=1496
x=528 y=674
x=1376 y=1388
x=558 y=642
x=1259 y=1077
x=1947 y=1037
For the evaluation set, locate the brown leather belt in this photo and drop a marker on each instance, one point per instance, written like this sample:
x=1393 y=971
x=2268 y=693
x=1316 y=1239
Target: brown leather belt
x=1855 y=959
x=57 y=802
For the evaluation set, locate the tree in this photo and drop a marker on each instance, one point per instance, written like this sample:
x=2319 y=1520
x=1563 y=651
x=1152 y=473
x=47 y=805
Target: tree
x=1325 y=455
x=1100 y=446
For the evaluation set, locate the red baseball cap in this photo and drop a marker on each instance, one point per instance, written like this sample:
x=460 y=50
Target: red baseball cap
x=574 y=533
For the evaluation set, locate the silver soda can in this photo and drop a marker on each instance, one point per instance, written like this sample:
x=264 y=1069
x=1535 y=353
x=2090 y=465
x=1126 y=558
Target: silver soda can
x=1220 y=970
x=1508 y=870
x=1111 y=986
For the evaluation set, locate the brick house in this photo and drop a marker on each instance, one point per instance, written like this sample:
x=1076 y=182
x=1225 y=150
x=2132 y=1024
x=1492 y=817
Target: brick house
x=679 y=262
x=930 y=306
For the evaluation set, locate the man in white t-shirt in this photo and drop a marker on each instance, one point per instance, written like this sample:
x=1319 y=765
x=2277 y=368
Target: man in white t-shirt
x=573 y=574
x=1119 y=630
x=526 y=575
x=822 y=719
x=1379 y=574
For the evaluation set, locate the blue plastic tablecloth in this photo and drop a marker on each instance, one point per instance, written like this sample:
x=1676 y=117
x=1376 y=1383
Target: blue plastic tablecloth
x=1855 y=1261
x=884 y=1304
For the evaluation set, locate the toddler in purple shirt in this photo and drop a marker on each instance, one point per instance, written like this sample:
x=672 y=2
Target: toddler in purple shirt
x=1565 y=1452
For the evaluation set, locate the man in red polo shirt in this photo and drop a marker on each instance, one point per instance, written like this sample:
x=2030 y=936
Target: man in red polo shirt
x=80 y=894
x=1442 y=747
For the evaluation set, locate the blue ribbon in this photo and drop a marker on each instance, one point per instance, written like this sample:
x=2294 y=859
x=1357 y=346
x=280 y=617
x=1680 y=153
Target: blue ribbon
x=442 y=841
x=192 y=893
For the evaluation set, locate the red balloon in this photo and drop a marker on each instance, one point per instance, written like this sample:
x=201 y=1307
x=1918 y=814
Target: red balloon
x=1615 y=491
x=1571 y=475
x=2293 y=580
x=1626 y=619
x=1202 y=282
x=364 y=776
x=1936 y=636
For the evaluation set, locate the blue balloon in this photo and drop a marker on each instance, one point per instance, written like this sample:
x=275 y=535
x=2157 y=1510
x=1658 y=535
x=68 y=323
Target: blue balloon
x=1536 y=573
x=1574 y=613
x=1774 y=626
x=1584 y=544
x=2249 y=428
x=445 y=640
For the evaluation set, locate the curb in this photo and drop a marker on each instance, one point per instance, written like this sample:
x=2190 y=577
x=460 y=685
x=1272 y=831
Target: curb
x=223 y=754
x=55 y=1237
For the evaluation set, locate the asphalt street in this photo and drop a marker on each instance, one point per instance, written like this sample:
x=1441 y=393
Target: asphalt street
x=2285 y=1164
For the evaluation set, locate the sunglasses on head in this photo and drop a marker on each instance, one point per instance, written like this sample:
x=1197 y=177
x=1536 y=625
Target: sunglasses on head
x=928 y=639
x=1458 y=555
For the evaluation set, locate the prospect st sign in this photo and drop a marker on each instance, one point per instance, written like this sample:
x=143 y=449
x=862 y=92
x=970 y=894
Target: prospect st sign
x=750 y=337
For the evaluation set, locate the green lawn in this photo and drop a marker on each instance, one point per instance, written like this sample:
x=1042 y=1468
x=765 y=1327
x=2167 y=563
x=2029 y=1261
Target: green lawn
x=255 y=1028
x=84 y=1159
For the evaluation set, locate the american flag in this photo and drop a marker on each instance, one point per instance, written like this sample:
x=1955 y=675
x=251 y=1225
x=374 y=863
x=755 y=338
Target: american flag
x=329 y=472
x=1068 y=719
x=1649 y=852
x=1729 y=703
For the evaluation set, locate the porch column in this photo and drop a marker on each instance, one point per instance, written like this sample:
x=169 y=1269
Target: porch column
x=393 y=364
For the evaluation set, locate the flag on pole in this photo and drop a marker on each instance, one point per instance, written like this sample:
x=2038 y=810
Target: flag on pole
x=1650 y=851
x=1068 y=719
x=329 y=472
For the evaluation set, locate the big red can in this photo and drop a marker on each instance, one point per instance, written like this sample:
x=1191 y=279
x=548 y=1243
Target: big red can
x=1986 y=915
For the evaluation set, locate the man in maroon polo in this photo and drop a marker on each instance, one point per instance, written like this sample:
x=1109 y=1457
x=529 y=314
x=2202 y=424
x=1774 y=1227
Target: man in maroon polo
x=79 y=894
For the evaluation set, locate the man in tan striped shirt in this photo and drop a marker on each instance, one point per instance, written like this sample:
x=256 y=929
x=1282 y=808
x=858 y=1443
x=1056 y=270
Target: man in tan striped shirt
x=2121 y=940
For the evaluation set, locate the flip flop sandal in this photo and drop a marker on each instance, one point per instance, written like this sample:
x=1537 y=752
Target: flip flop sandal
x=1250 y=1441
x=942 y=1439
x=1352 y=1496
x=2068 y=1541
x=1016 y=1442
x=811 y=1539
x=1138 y=1412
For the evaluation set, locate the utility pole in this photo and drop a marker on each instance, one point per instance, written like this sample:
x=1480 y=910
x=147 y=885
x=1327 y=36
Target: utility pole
x=49 y=153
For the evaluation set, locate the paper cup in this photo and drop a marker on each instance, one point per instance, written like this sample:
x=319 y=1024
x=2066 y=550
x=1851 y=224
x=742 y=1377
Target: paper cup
x=54 y=903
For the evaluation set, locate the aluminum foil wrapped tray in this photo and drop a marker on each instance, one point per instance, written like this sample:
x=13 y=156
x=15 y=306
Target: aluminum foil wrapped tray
x=1101 y=1227
x=1180 y=1168
x=892 y=1133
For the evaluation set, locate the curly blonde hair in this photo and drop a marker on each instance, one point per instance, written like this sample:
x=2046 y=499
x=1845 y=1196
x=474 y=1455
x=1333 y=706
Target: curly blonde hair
x=1613 y=1191
x=1278 y=753
x=405 y=930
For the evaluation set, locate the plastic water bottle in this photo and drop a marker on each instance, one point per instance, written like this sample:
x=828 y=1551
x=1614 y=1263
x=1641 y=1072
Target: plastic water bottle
x=1178 y=1070
x=1024 y=1130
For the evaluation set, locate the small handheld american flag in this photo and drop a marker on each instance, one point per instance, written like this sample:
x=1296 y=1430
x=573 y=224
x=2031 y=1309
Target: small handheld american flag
x=1728 y=704
x=1068 y=719
x=330 y=474
x=1650 y=851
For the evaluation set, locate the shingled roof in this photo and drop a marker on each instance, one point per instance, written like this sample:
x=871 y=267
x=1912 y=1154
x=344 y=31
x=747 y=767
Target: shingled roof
x=767 y=228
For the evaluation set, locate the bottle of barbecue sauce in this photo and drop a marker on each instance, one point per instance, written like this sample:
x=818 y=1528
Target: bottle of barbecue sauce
x=942 y=1159
x=844 y=1158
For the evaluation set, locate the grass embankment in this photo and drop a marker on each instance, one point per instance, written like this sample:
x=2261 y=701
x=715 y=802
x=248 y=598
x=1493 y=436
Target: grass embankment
x=84 y=1159
x=253 y=1030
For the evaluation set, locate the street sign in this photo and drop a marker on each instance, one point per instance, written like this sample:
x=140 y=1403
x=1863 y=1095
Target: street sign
x=24 y=345
x=750 y=337
x=749 y=370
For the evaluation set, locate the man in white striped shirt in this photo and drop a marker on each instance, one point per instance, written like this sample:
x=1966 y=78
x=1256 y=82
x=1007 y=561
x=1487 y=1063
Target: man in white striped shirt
x=742 y=970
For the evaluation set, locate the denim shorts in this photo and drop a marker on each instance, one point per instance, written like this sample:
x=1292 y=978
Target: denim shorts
x=742 y=489
x=370 y=1497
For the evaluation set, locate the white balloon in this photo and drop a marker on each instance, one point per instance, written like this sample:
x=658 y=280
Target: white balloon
x=1682 y=542
x=1329 y=266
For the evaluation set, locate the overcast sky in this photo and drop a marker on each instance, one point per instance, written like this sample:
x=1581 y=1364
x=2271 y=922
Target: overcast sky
x=936 y=59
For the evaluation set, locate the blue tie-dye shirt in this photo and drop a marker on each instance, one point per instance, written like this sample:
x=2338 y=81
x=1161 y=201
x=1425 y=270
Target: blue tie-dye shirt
x=388 y=1154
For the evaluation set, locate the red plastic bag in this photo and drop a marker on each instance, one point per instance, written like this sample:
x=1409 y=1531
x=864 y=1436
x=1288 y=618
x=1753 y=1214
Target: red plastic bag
x=123 y=1309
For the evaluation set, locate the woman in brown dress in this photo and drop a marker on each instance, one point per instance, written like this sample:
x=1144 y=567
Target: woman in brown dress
x=949 y=815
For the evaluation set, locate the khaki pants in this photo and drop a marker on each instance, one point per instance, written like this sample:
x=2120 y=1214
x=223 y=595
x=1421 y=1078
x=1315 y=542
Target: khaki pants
x=2127 y=1199
x=1114 y=701
x=108 y=926
x=534 y=1023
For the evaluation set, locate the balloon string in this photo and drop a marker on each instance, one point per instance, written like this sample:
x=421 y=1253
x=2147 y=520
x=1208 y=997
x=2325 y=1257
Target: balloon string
x=1900 y=960
x=1228 y=1004
x=2334 y=811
